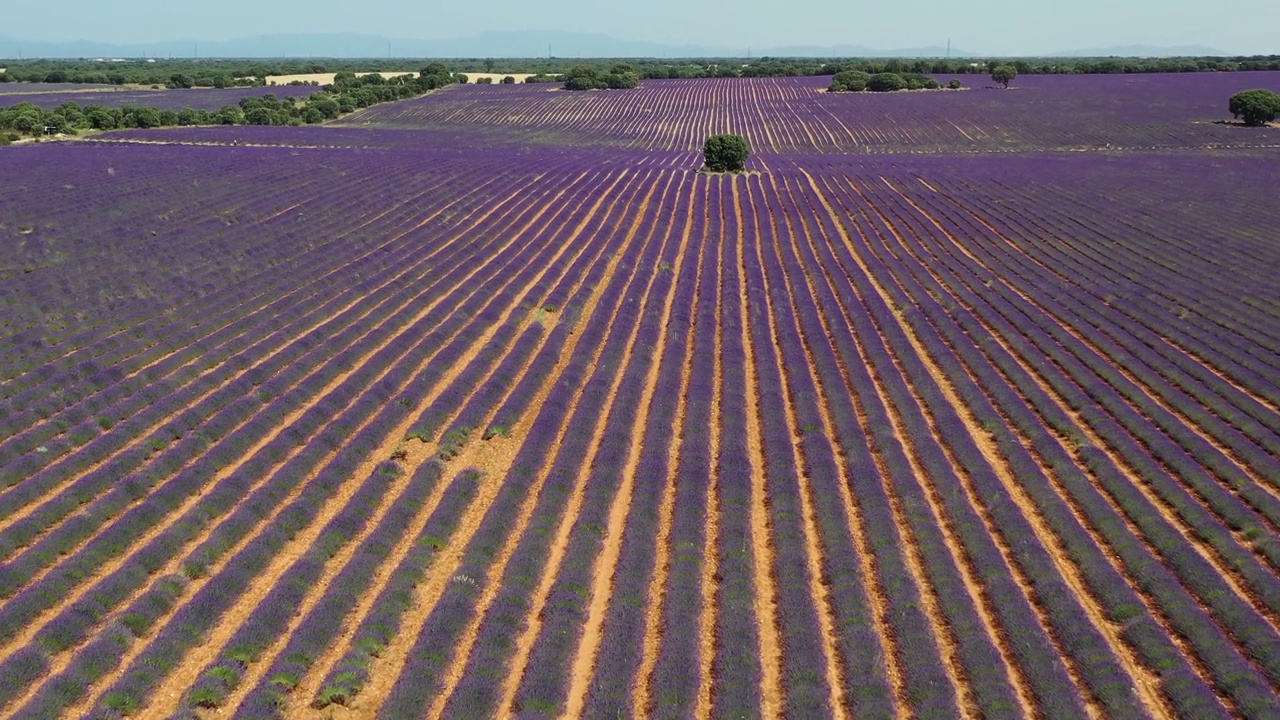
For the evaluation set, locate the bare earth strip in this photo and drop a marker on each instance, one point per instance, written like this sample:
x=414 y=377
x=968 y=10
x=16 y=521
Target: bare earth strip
x=710 y=565
x=766 y=593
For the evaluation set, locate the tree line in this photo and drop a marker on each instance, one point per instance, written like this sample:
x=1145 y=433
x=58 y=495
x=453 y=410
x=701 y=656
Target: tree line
x=346 y=94
x=233 y=72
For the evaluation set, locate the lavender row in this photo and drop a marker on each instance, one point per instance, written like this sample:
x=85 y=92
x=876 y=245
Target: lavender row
x=517 y=402
x=1246 y=688
x=1160 y=361
x=617 y=663
x=188 y=342
x=402 y=343
x=1188 y=692
x=804 y=668
x=987 y=676
x=139 y=681
x=545 y=681
x=736 y=672
x=477 y=693
x=1218 y=340
x=1152 y=320
x=384 y=619
x=674 y=687
x=432 y=652
x=926 y=685
x=103 y=654
x=271 y=616
x=1039 y=659
x=1160 y=453
x=281 y=375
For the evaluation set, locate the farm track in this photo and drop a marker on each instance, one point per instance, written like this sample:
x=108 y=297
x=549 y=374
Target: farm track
x=928 y=415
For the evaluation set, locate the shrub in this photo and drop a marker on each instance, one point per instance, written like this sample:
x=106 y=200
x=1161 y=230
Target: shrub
x=508 y=80
x=955 y=84
x=726 y=153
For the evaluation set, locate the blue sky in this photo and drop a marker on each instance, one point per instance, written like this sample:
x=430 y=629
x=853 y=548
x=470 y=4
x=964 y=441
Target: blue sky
x=986 y=26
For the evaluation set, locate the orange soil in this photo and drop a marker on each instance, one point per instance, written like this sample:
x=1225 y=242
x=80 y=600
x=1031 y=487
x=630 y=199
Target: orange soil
x=656 y=596
x=875 y=596
x=915 y=564
x=524 y=644
x=1074 y=452
x=710 y=563
x=766 y=596
x=145 y=434
x=111 y=566
x=395 y=438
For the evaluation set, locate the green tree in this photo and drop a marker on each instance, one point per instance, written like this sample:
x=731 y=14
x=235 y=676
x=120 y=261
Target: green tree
x=488 y=65
x=1255 y=107
x=1004 y=74
x=146 y=117
x=508 y=80
x=886 y=82
x=849 y=81
x=726 y=153
x=955 y=84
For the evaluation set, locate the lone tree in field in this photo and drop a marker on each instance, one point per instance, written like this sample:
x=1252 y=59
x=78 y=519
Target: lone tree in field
x=1004 y=74
x=1255 y=107
x=726 y=153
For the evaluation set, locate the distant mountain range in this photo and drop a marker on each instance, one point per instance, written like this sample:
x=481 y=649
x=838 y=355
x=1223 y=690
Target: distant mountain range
x=496 y=45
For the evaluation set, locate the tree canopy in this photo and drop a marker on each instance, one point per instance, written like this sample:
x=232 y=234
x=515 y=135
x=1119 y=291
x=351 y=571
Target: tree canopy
x=1255 y=107
x=856 y=80
x=726 y=153
x=621 y=76
x=1004 y=74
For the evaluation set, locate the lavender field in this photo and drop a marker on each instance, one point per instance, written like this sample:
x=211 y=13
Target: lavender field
x=487 y=404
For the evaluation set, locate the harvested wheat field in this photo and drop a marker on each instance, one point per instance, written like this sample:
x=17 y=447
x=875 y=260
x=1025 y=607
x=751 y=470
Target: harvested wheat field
x=488 y=404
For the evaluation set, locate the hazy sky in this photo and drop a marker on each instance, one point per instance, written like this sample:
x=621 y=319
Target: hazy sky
x=983 y=26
